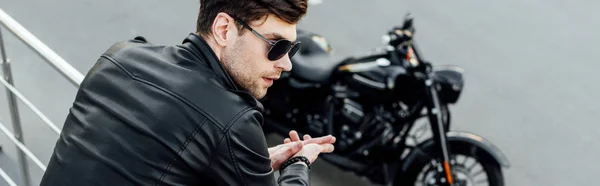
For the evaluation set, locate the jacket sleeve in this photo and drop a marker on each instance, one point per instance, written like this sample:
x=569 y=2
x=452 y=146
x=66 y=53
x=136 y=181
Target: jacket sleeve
x=243 y=157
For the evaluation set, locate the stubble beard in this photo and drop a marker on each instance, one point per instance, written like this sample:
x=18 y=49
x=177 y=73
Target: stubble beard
x=235 y=64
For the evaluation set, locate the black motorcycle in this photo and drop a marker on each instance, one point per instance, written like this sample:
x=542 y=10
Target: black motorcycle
x=389 y=112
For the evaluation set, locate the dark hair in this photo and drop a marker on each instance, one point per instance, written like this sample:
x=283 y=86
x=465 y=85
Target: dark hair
x=290 y=11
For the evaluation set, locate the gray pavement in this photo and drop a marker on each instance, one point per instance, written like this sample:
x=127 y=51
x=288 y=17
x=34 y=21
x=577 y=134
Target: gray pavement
x=530 y=68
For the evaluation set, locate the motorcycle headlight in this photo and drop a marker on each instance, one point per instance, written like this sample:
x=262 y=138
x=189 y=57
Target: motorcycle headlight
x=450 y=79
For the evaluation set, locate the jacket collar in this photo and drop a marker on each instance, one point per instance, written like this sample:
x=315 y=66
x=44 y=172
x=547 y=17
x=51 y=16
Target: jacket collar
x=200 y=48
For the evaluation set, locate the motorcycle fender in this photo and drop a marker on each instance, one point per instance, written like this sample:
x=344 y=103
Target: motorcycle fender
x=460 y=138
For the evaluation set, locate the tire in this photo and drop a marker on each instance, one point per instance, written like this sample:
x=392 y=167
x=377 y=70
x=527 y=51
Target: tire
x=489 y=165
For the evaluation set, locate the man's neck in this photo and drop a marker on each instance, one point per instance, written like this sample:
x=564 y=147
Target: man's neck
x=213 y=45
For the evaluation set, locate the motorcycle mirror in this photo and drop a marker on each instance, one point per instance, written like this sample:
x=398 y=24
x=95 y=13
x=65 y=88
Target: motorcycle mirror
x=408 y=22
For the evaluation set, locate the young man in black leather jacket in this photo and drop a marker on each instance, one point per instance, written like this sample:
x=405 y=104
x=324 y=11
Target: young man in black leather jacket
x=188 y=114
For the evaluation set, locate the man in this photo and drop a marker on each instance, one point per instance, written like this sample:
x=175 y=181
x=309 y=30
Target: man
x=188 y=114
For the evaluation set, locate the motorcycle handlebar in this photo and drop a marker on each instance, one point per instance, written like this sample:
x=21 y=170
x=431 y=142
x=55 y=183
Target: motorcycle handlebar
x=402 y=48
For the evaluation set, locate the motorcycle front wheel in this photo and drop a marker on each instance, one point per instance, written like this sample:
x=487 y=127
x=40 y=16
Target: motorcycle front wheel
x=468 y=169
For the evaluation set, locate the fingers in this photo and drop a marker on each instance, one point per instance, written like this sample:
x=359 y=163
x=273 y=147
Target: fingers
x=293 y=148
x=327 y=148
x=331 y=139
x=297 y=147
x=321 y=140
x=294 y=136
x=307 y=137
x=312 y=151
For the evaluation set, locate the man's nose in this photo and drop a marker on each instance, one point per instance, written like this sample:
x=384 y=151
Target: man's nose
x=284 y=63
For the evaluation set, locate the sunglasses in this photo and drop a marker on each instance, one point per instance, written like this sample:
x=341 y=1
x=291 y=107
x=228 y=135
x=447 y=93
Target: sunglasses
x=278 y=48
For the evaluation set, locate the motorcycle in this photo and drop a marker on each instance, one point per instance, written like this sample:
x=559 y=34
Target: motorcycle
x=388 y=110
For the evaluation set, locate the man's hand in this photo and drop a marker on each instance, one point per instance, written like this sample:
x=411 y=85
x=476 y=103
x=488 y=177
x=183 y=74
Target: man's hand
x=312 y=146
x=294 y=137
x=312 y=151
x=293 y=145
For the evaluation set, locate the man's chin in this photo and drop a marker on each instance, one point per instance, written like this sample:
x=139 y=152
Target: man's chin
x=259 y=94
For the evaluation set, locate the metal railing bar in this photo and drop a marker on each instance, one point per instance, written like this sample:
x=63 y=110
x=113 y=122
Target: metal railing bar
x=23 y=147
x=65 y=69
x=14 y=113
x=31 y=106
x=7 y=178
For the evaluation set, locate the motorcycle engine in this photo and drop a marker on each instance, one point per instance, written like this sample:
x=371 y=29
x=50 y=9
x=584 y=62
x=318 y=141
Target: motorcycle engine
x=353 y=111
x=360 y=125
x=352 y=115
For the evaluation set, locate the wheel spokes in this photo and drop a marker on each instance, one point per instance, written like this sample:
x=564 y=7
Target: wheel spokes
x=470 y=168
x=484 y=181
x=467 y=171
x=478 y=173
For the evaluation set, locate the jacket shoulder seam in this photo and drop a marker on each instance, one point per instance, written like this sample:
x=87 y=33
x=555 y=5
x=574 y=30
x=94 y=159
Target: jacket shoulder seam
x=237 y=169
x=185 y=101
x=180 y=151
x=226 y=131
x=226 y=136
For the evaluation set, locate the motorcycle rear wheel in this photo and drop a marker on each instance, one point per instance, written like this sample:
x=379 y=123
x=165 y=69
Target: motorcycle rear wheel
x=467 y=169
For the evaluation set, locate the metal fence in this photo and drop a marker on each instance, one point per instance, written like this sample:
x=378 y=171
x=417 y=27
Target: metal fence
x=16 y=136
x=65 y=69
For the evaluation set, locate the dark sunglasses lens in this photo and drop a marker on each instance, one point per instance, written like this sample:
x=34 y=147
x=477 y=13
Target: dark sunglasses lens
x=294 y=49
x=279 y=49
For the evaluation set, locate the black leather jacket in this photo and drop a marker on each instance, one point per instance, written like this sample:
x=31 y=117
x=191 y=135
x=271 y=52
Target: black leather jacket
x=163 y=115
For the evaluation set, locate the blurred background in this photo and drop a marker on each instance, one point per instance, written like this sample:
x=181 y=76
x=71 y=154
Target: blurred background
x=530 y=84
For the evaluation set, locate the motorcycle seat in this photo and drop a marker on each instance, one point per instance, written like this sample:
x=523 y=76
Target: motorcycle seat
x=313 y=62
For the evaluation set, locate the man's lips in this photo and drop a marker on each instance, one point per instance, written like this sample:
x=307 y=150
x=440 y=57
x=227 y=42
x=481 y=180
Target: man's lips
x=273 y=78
x=269 y=80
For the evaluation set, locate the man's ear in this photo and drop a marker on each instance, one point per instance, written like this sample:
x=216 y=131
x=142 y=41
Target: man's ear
x=220 y=28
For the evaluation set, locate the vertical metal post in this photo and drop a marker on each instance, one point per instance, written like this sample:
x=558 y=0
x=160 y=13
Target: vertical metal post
x=14 y=112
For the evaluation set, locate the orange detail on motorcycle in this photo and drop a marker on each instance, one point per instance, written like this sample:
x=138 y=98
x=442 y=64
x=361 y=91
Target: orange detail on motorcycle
x=344 y=68
x=409 y=53
x=448 y=173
